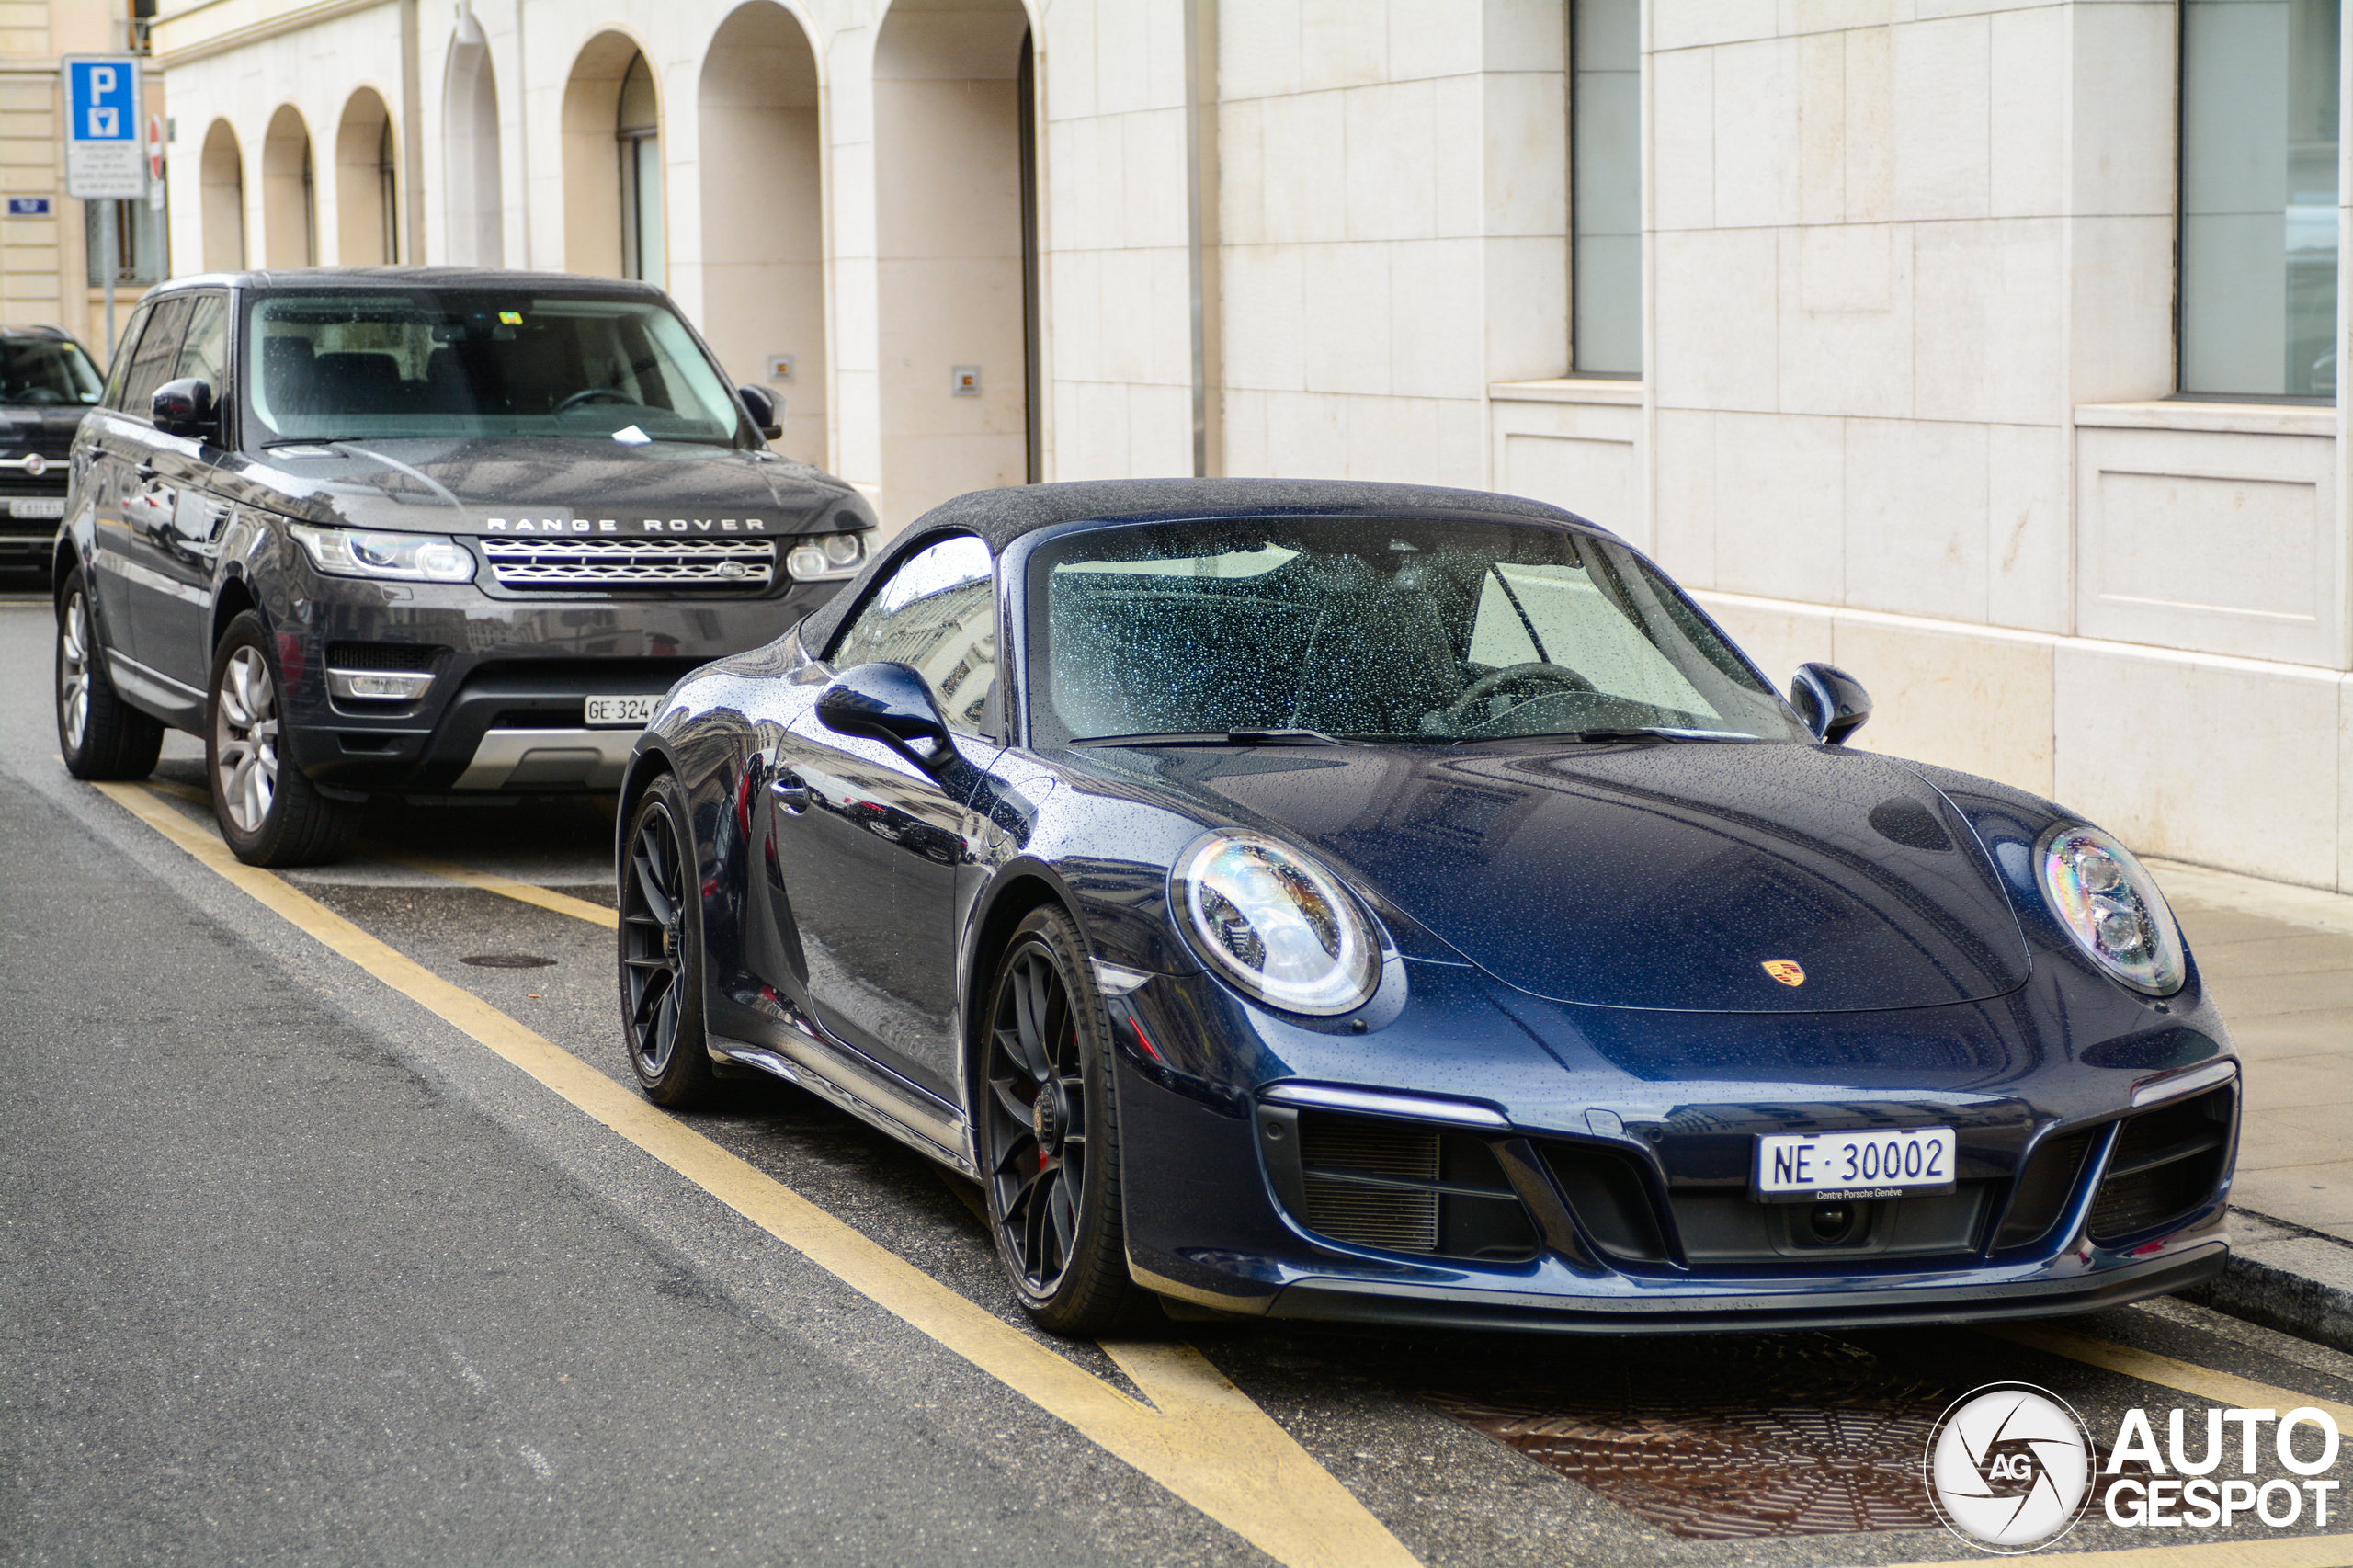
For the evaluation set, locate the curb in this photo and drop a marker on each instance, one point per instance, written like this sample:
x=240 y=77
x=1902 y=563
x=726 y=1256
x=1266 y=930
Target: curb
x=2287 y=1277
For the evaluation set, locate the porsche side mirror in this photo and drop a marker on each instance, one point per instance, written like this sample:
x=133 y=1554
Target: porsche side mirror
x=767 y=411
x=185 y=408
x=891 y=703
x=1832 y=702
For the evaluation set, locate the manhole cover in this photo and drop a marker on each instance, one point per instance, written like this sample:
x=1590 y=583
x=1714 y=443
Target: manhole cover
x=1782 y=1437
x=508 y=961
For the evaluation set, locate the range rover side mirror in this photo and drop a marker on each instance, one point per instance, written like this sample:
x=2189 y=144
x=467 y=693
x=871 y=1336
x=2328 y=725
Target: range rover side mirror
x=185 y=408
x=891 y=703
x=766 y=408
x=1832 y=702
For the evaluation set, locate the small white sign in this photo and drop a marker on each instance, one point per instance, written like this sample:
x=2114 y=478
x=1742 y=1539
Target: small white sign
x=611 y=713
x=103 y=158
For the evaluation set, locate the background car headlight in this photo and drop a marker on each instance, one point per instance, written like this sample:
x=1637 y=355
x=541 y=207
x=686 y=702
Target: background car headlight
x=2112 y=906
x=1276 y=924
x=347 y=553
x=827 y=555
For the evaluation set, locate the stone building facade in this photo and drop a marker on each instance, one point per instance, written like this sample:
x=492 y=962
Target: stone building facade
x=1864 y=316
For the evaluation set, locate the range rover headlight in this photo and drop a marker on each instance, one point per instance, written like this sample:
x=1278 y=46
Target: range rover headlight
x=1276 y=924
x=826 y=556
x=2112 y=906
x=415 y=558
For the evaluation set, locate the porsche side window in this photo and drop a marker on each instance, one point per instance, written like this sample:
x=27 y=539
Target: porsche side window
x=938 y=612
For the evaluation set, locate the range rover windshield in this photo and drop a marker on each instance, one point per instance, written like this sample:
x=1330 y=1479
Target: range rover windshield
x=45 y=370
x=1435 y=632
x=346 y=365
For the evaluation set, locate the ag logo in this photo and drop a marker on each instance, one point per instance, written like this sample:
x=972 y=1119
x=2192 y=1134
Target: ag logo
x=1789 y=971
x=2010 y=1467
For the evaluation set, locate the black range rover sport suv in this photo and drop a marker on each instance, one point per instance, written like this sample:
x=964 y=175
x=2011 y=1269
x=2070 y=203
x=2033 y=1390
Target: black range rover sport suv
x=415 y=531
x=46 y=383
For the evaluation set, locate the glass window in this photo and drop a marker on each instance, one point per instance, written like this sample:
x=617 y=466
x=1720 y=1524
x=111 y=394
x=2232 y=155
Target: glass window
x=1605 y=185
x=1437 y=632
x=158 y=351
x=125 y=349
x=478 y=362
x=43 y=370
x=2258 y=198
x=936 y=612
x=640 y=133
x=205 y=352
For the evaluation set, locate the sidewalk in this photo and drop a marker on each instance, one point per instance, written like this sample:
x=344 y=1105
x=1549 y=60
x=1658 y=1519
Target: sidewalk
x=2280 y=959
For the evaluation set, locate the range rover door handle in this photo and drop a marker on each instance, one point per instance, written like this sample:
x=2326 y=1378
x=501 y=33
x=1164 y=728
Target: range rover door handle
x=791 y=793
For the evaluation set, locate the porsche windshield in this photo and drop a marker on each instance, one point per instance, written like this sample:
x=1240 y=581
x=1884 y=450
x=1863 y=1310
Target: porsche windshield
x=442 y=363
x=1374 y=628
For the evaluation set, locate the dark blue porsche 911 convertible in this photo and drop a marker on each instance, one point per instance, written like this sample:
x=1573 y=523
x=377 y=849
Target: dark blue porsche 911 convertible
x=1377 y=902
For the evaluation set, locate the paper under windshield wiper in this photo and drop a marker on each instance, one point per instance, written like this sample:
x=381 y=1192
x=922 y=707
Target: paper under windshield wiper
x=1217 y=738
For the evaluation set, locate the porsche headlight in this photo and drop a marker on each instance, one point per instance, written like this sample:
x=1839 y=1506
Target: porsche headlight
x=1276 y=924
x=2112 y=906
x=413 y=557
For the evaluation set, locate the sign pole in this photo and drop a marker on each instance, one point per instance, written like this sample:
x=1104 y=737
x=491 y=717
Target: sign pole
x=109 y=249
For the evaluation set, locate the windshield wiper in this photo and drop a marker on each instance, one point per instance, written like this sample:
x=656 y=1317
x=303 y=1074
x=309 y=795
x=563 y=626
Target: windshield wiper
x=1645 y=733
x=1218 y=738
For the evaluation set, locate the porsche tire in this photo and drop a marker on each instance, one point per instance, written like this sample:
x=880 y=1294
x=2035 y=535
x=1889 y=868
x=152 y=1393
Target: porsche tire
x=98 y=734
x=661 y=954
x=269 y=813
x=1049 y=1133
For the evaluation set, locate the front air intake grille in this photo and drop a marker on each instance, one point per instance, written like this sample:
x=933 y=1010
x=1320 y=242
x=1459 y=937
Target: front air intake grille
x=2044 y=1187
x=563 y=562
x=413 y=657
x=2166 y=1164
x=1337 y=1148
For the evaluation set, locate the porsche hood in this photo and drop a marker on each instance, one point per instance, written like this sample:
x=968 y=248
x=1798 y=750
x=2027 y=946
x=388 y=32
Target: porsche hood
x=1704 y=877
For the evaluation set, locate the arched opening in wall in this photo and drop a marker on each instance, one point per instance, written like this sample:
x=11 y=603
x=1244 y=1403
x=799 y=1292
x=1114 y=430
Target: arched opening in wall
x=764 y=286
x=289 y=227
x=612 y=163
x=221 y=173
x=956 y=246
x=366 y=189
x=470 y=142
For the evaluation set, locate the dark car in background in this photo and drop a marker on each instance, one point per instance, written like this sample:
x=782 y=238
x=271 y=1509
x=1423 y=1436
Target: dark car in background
x=46 y=383
x=416 y=531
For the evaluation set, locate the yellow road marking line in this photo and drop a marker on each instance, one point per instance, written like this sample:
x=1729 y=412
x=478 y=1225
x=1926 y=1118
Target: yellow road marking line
x=522 y=892
x=2258 y=1551
x=2220 y=1387
x=1207 y=1442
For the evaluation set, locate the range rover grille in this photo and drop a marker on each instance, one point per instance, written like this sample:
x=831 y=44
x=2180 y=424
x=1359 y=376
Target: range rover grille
x=561 y=563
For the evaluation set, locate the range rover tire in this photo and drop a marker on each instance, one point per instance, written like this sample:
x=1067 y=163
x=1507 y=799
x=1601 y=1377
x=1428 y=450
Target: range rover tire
x=98 y=734
x=269 y=813
x=661 y=954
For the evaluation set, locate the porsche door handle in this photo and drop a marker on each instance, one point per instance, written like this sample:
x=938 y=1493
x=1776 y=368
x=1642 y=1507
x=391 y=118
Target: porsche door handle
x=790 y=794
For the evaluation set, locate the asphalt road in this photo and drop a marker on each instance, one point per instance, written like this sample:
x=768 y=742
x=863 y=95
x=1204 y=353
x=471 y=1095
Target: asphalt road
x=296 y=1271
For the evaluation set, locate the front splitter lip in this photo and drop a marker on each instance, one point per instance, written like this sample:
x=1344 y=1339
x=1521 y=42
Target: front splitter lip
x=1334 y=1299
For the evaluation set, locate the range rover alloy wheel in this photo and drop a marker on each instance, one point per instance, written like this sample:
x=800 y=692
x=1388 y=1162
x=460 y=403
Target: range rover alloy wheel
x=98 y=734
x=1048 y=1132
x=660 y=955
x=269 y=813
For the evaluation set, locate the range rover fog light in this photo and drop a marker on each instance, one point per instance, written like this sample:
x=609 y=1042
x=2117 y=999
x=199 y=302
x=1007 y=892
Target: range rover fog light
x=377 y=685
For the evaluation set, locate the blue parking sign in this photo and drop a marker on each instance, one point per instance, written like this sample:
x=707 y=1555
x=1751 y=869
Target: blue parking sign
x=102 y=120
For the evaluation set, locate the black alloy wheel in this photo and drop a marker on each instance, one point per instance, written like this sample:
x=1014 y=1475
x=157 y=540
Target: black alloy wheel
x=268 y=810
x=1048 y=1132
x=98 y=734
x=661 y=954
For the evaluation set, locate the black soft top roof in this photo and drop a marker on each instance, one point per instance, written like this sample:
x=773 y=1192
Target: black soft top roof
x=1000 y=517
